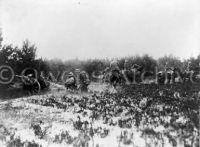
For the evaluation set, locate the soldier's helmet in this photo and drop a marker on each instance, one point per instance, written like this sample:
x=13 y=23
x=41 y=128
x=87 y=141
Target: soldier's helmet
x=83 y=72
x=30 y=75
x=114 y=63
x=77 y=70
x=70 y=74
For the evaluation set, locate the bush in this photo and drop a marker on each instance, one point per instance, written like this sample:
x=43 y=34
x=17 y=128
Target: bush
x=171 y=61
x=21 y=58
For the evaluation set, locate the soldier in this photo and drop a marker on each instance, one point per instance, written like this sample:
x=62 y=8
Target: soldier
x=114 y=73
x=114 y=66
x=29 y=79
x=70 y=81
x=137 y=70
x=84 y=81
x=43 y=81
x=136 y=67
x=167 y=74
x=105 y=78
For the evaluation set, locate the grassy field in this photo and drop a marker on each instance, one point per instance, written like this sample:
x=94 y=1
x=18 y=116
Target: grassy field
x=135 y=116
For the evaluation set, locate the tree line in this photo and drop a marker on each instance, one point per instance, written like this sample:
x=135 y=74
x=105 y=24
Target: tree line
x=26 y=56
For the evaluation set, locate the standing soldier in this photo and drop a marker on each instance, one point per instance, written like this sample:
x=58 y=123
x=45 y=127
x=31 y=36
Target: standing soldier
x=84 y=81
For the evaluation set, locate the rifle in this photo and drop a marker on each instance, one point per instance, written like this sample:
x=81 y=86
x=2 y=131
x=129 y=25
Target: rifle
x=20 y=76
x=26 y=79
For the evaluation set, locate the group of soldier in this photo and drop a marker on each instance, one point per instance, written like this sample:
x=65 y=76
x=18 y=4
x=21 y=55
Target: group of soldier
x=115 y=75
x=166 y=76
x=80 y=80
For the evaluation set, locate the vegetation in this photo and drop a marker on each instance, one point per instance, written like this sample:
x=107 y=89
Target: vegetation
x=157 y=115
x=23 y=57
x=151 y=114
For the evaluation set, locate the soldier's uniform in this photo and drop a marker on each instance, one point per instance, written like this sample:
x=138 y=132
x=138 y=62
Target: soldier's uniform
x=114 y=73
x=136 y=69
x=43 y=82
x=106 y=75
x=169 y=74
x=84 y=80
x=29 y=79
x=70 y=81
x=114 y=68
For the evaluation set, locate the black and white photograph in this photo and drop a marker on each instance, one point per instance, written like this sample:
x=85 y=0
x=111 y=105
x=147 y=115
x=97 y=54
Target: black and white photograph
x=99 y=73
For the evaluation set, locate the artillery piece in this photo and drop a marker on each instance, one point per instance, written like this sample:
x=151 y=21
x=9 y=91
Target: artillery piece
x=32 y=84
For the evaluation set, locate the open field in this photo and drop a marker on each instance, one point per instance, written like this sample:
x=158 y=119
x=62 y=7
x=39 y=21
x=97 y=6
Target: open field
x=135 y=116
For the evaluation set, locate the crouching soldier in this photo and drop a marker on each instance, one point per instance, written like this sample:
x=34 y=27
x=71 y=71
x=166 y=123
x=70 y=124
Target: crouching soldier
x=114 y=73
x=84 y=81
x=44 y=83
x=114 y=67
x=105 y=78
x=70 y=82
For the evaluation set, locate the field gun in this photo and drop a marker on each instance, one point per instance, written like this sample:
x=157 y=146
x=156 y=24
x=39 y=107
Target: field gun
x=29 y=83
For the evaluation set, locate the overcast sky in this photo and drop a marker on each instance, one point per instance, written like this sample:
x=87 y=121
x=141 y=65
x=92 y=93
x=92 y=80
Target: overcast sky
x=103 y=28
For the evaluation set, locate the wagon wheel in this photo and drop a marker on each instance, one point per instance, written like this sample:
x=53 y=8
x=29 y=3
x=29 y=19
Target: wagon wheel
x=35 y=87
